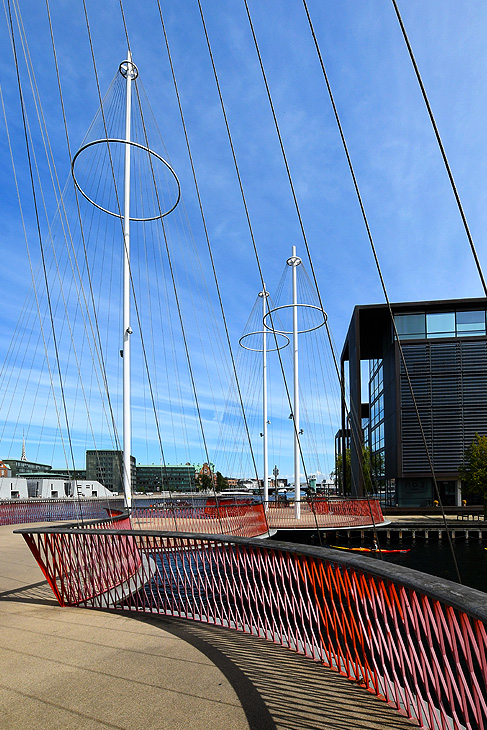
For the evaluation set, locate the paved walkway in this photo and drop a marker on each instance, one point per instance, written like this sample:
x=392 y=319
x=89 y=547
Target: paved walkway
x=79 y=669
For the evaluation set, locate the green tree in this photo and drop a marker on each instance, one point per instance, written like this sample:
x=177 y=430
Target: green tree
x=338 y=474
x=372 y=467
x=221 y=482
x=473 y=471
x=204 y=482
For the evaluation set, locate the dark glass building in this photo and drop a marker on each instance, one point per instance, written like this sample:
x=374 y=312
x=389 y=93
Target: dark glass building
x=169 y=477
x=21 y=466
x=106 y=467
x=444 y=345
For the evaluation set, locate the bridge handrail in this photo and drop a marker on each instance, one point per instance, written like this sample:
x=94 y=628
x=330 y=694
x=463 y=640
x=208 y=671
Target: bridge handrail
x=417 y=641
x=460 y=597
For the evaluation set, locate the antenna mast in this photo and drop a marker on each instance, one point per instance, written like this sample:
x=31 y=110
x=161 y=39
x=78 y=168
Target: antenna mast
x=264 y=294
x=294 y=261
x=129 y=71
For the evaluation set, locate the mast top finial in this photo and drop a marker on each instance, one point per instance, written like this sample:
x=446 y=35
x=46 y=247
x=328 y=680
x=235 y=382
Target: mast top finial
x=128 y=67
x=293 y=260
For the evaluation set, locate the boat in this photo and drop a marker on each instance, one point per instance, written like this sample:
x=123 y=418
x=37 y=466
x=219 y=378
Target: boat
x=369 y=550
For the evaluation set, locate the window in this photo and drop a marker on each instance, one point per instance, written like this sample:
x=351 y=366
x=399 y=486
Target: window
x=440 y=324
x=472 y=323
x=410 y=326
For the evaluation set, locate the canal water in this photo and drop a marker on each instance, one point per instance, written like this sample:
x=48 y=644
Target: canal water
x=428 y=557
x=436 y=558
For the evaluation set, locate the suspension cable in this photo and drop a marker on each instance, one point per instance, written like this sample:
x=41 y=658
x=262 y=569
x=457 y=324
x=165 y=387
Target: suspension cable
x=442 y=149
x=176 y=296
x=384 y=289
x=39 y=234
x=207 y=237
x=249 y=223
x=97 y=339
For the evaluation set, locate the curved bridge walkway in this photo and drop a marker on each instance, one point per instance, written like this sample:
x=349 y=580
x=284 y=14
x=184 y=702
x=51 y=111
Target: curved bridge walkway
x=70 y=668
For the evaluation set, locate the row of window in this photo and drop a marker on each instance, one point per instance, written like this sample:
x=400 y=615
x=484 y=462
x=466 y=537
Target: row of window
x=440 y=324
x=376 y=384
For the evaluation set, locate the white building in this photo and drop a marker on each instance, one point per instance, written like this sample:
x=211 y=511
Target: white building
x=13 y=488
x=44 y=487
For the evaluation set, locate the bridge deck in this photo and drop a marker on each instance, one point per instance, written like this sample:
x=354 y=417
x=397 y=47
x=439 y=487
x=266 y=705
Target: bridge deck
x=63 y=668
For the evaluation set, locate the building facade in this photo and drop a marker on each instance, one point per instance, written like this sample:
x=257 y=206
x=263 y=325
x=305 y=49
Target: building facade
x=168 y=477
x=421 y=408
x=106 y=467
x=21 y=466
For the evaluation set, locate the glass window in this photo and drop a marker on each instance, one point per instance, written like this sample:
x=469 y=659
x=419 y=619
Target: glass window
x=440 y=324
x=471 y=323
x=410 y=326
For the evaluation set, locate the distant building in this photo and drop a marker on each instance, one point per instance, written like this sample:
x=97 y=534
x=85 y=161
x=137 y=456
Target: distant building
x=206 y=469
x=106 y=467
x=47 y=485
x=53 y=486
x=445 y=350
x=13 y=488
x=166 y=477
x=4 y=470
x=21 y=466
x=149 y=478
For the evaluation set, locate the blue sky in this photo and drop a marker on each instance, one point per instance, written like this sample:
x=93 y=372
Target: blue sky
x=414 y=221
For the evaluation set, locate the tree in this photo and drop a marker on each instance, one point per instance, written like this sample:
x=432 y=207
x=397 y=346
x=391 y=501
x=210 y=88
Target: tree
x=372 y=468
x=204 y=482
x=221 y=482
x=338 y=475
x=473 y=471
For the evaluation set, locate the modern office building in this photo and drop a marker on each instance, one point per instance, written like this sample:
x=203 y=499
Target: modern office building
x=106 y=467
x=444 y=366
x=22 y=466
x=169 y=477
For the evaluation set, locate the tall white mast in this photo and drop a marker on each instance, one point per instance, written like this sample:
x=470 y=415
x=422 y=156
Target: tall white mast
x=129 y=72
x=264 y=296
x=295 y=261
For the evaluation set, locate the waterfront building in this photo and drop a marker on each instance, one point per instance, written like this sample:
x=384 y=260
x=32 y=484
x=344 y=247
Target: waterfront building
x=13 y=488
x=206 y=470
x=445 y=351
x=168 y=477
x=22 y=466
x=106 y=467
x=49 y=486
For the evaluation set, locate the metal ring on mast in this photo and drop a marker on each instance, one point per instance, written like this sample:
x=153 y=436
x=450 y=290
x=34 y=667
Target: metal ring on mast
x=128 y=66
x=290 y=306
x=269 y=349
x=133 y=144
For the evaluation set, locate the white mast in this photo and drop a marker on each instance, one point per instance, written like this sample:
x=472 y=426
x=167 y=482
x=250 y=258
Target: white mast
x=129 y=73
x=295 y=261
x=264 y=296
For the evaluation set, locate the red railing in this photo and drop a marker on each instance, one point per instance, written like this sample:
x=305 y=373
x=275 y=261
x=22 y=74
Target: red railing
x=231 y=516
x=417 y=642
x=22 y=512
x=244 y=519
x=82 y=566
x=325 y=513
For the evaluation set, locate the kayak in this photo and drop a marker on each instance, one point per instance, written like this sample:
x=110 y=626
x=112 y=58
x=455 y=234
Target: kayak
x=369 y=550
